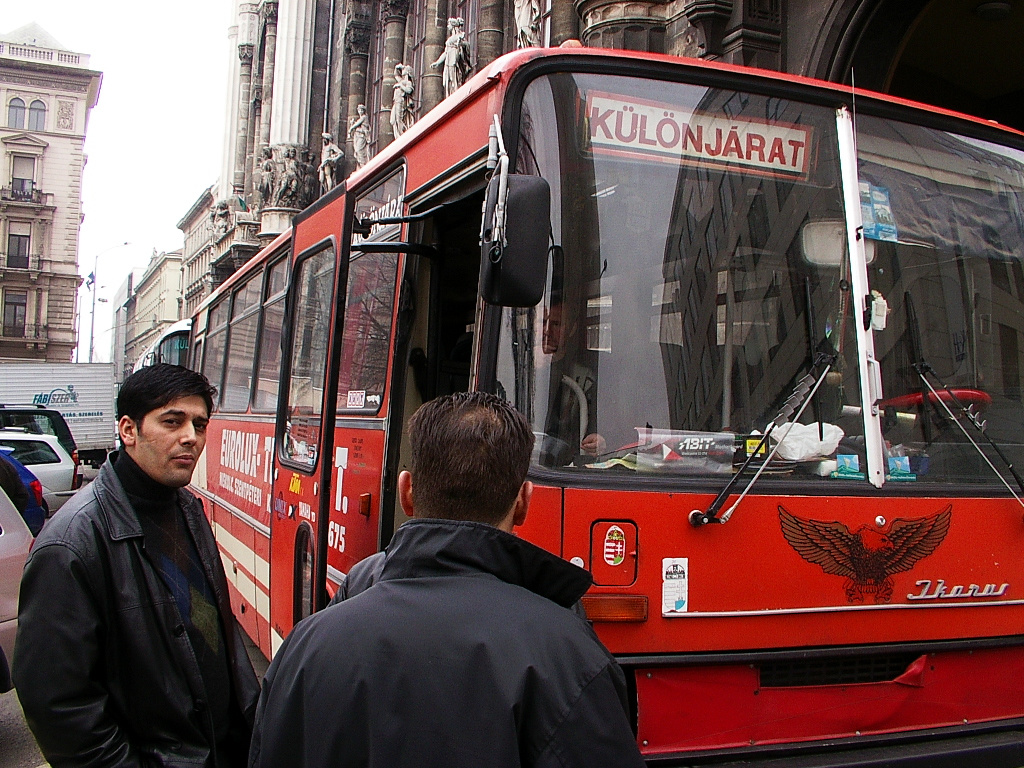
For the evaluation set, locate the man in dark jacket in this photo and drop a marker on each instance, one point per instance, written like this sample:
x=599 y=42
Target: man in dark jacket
x=127 y=652
x=464 y=653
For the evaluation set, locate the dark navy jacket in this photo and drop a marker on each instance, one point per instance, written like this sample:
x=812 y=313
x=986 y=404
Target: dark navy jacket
x=463 y=654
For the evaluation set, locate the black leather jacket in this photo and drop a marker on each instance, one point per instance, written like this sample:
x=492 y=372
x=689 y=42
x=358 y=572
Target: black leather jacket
x=102 y=662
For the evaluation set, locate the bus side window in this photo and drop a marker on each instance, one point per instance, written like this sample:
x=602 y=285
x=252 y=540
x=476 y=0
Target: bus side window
x=313 y=295
x=269 y=358
x=216 y=346
x=245 y=310
x=366 y=344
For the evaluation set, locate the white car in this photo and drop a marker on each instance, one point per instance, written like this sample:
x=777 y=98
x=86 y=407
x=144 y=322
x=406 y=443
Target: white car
x=15 y=540
x=44 y=455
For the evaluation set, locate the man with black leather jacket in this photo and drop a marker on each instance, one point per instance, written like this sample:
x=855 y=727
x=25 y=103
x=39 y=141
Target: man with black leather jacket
x=127 y=652
x=464 y=651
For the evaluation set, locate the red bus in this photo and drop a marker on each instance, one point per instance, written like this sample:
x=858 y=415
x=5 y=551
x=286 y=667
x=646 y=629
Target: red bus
x=768 y=332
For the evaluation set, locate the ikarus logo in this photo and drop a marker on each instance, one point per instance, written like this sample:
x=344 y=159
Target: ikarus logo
x=56 y=397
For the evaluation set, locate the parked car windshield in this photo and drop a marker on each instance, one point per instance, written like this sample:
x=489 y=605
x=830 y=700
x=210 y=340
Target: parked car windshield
x=40 y=422
x=30 y=452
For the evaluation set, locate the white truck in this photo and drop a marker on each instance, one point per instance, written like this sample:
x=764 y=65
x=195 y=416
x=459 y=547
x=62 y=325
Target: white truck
x=82 y=392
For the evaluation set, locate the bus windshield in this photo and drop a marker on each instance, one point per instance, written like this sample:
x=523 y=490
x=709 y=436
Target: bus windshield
x=943 y=217
x=700 y=268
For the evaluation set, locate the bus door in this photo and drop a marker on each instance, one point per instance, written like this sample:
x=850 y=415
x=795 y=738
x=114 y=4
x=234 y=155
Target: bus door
x=361 y=408
x=303 y=462
x=435 y=321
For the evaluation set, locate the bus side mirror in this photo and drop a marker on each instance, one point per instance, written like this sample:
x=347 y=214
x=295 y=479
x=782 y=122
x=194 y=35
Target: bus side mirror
x=514 y=257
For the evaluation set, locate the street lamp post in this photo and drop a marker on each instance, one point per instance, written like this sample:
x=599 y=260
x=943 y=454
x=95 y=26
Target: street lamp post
x=92 y=322
x=95 y=287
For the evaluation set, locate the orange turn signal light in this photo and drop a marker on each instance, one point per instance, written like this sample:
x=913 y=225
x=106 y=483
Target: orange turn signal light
x=615 y=607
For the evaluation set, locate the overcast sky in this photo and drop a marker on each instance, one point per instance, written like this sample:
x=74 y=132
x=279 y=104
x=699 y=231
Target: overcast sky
x=154 y=138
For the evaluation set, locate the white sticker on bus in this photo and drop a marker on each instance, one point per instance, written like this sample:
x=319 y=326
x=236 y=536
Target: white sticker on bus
x=628 y=126
x=340 y=464
x=674 y=586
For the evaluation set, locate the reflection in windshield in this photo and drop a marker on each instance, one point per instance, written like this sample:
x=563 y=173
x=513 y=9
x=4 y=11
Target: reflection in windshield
x=948 y=261
x=700 y=267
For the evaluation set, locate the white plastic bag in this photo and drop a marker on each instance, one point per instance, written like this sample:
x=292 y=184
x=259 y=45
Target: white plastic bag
x=800 y=442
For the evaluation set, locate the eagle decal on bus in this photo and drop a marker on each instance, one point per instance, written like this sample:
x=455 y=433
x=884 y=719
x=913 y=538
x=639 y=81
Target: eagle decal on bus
x=867 y=557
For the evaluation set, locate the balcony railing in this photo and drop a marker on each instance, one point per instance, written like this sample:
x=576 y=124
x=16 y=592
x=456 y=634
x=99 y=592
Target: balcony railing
x=16 y=261
x=235 y=245
x=23 y=193
x=27 y=331
x=45 y=55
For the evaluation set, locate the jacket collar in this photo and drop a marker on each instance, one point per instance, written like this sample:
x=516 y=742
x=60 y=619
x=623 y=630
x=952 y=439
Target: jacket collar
x=429 y=547
x=121 y=519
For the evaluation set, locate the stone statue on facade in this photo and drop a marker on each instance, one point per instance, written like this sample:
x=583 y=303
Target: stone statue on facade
x=401 y=103
x=264 y=178
x=330 y=156
x=309 y=182
x=220 y=218
x=454 y=58
x=527 y=15
x=289 y=187
x=359 y=134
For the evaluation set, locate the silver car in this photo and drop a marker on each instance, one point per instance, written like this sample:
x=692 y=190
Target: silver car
x=44 y=455
x=15 y=540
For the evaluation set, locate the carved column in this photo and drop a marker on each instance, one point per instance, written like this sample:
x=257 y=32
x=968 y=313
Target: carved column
x=318 y=63
x=431 y=84
x=564 y=22
x=395 y=13
x=634 y=26
x=289 y=120
x=269 y=56
x=754 y=35
x=230 y=139
x=710 y=19
x=252 y=136
x=357 y=49
x=490 y=38
x=247 y=19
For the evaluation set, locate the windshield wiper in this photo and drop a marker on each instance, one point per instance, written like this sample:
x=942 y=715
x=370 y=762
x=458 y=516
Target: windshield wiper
x=803 y=394
x=924 y=368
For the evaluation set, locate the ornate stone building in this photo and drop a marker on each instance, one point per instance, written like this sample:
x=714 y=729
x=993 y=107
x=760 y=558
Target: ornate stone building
x=197 y=227
x=155 y=304
x=46 y=94
x=353 y=73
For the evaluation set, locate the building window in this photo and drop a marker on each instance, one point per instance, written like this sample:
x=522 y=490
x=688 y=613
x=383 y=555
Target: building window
x=545 y=23
x=378 y=103
x=22 y=176
x=415 y=35
x=15 y=303
x=16 y=113
x=18 y=237
x=468 y=11
x=37 y=116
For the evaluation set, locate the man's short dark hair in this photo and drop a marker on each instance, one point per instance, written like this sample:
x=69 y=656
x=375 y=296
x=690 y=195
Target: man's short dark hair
x=156 y=385
x=470 y=455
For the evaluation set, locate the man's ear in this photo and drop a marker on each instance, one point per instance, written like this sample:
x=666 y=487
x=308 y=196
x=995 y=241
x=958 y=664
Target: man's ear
x=405 y=491
x=128 y=431
x=522 y=504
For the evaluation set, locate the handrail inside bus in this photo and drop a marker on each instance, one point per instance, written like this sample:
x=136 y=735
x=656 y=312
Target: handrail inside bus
x=397 y=246
x=364 y=226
